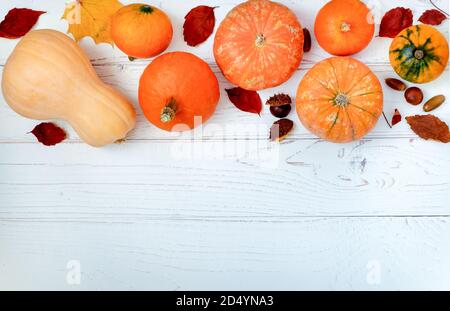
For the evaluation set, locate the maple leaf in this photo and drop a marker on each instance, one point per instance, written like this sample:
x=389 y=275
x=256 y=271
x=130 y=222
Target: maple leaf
x=91 y=18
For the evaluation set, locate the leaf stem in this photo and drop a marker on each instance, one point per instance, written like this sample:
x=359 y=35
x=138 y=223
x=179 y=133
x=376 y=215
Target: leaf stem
x=438 y=8
x=385 y=118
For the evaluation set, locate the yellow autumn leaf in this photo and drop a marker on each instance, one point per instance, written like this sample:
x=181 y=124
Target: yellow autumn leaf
x=91 y=18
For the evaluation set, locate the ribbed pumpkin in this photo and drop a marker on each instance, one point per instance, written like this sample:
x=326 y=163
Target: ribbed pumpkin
x=178 y=91
x=344 y=27
x=419 y=54
x=141 y=30
x=339 y=100
x=48 y=76
x=259 y=44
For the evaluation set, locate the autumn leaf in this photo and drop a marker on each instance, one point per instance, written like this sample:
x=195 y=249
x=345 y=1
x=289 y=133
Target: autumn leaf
x=18 y=22
x=248 y=101
x=432 y=17
x=396 y=118
x=49 y=134
x=198 y=25
x=395 y=21
x=429 y=127
x=91 y=18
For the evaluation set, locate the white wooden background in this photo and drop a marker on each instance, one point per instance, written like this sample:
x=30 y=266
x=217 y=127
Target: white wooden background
x=221 y=208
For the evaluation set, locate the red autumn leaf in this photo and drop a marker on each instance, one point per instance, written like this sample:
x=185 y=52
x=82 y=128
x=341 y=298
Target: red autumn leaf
x=396 y=118
x=248 y=101
x=198 y=25
x=429 y=127
x=395 y=21
x=432 y=17
x=18 y=22
x=49 y=134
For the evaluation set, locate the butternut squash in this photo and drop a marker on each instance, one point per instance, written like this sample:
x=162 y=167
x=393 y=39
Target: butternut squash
x=48 y=76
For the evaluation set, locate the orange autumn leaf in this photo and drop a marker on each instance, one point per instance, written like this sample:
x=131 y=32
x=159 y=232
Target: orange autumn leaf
x=429 y=127
x=91 y=18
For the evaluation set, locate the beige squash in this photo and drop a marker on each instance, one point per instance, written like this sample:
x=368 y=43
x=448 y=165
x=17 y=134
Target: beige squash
x=48 y=76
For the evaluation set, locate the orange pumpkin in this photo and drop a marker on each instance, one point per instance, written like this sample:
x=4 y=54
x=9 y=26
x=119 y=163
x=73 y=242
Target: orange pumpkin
x=339 y=100
x=344 y=27
x=259 y=44
x=178 y=91
x=141 y=30
x=419 y=54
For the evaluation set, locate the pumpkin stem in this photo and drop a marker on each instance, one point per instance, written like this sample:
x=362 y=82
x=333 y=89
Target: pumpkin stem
x=260 y=40
x=169 y=111
x=146 y=9
x=419 y=54
x=345 y=27
x=341 y=100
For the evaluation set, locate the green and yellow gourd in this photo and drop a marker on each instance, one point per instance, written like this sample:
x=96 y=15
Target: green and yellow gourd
x=419 y=54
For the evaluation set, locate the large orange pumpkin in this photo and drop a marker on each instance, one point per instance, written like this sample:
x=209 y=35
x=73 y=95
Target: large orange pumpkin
x=178 y=91
x=259 y=44
x=344 y=27
x=339 y=100
x=141 y=30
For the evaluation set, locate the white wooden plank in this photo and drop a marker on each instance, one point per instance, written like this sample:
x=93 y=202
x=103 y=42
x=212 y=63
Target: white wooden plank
x=374 y=253
x=233 y=212
x=239 y=178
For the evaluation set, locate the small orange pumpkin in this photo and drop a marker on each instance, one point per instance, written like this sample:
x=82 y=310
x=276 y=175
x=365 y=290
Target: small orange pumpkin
x=178 y=91
x=344 y=27
x=419 y=54
x=141 y=30
x=259 y=44
x=339 y=100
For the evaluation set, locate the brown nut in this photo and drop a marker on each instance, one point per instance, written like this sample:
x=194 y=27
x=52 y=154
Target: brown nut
x=280 y=105
x=280 y=111
x=307 y=40
x=414 y=95
x=396 y=84
x=434 y=103
x=279 y=100
x=280 y=129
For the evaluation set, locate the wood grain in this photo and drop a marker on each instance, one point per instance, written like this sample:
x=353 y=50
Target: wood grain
x=234 y=179
x=222 y=208
x=279 y=254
